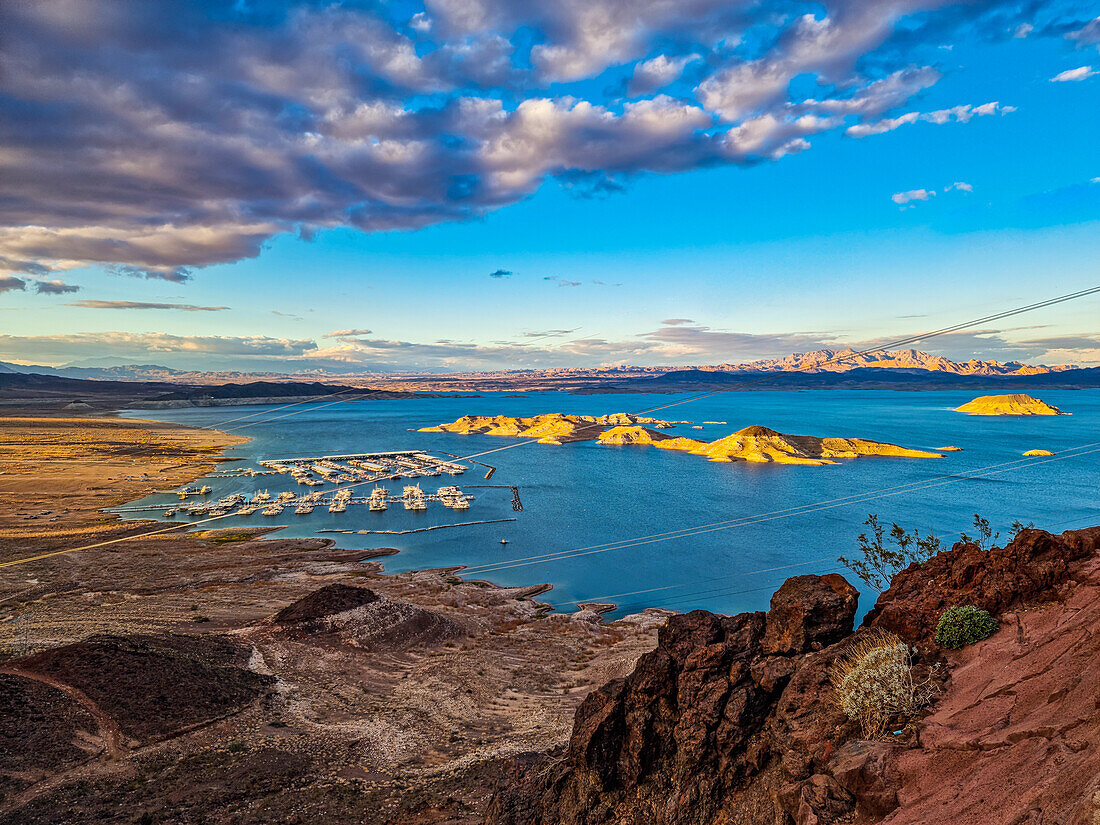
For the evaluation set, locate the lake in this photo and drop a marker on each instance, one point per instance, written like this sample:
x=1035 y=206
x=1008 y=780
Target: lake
x=612 y=518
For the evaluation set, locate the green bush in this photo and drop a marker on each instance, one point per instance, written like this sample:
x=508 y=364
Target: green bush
x=964 y=625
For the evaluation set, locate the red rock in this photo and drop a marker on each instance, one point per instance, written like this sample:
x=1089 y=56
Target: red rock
x=1032 y=567
x=808 y=612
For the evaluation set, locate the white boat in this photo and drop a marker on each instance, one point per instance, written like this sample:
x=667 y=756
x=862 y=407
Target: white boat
x=338 y=506
x=273 y=510
x=461 y=503
x=261 y=495
x=303 y=509
x=247 y=510
x=415 y=504
x=285 y=496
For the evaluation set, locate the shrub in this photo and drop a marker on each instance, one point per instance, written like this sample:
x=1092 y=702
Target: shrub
x=873 y=682
x=961 y=626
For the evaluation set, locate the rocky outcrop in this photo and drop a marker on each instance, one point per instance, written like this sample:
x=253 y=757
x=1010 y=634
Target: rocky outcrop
x=359 y=617
x=1034 y=566
x=1012 y=404
x=722 y=721
x=732 y=719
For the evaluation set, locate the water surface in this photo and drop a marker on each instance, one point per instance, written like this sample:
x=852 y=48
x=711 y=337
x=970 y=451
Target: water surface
x=578 y=497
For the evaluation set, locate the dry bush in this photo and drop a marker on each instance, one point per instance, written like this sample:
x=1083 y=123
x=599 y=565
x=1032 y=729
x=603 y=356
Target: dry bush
x=873 y=682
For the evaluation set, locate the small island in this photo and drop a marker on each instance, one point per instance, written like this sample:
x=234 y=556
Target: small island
x=1015 y=404
x=548 y=428
x=753 y=444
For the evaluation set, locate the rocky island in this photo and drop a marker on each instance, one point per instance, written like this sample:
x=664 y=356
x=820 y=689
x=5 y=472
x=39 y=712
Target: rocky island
x=548 y=428
x=1013 y=404
x=755 y=443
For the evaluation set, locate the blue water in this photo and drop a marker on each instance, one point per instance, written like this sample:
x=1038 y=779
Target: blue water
x=579 y=496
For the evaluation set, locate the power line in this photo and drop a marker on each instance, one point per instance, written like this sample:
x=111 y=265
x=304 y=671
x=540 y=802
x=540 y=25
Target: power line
x=752 y=520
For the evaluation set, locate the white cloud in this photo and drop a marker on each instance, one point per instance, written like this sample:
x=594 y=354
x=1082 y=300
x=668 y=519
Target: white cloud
x=878 y=127
x=653 y=74
x=1080 y=73
x=913 y=195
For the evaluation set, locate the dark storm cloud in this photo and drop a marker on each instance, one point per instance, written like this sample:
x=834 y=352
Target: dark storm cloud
x=54 y=287
x=9 y=283
x=156 y=137
x=143 y=305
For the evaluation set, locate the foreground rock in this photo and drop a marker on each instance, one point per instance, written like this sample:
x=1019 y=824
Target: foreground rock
x=1014 y=404
x=721 y=723
x=732 y=719
x=1033 y=567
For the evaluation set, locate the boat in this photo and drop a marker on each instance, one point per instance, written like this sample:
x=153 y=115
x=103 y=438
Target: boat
x=247 y=510
x=261 y=495
x=171 y=511
x=205 y=489
x=461 y=503
x=338 y=506
x=303 y=509
x=220 y=511
x=285 y=496
x=415 y=504
x=273 y=509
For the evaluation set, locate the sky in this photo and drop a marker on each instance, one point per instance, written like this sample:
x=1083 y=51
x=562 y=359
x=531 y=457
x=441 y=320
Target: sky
x=504 y=184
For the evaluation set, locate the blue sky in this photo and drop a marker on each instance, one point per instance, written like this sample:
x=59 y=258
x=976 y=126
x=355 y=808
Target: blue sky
x=198 y=239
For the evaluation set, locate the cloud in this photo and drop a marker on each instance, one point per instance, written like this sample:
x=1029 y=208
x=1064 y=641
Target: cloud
x=157 y=138
x=501 y=273
x=908 y=197
x=655 y=73
x=348 y=333
x=676 y=322
x=913 y=195
x=878 y=127
x=89 y=304
x=189 y=351
x=1087 y=35
x=956 y=114
x=9 y=283
x=54 y=287
x=1080 y=73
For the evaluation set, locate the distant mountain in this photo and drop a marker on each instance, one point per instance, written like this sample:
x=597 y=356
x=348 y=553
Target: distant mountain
x=860 y=378
x=844 y=360
x=125 y=372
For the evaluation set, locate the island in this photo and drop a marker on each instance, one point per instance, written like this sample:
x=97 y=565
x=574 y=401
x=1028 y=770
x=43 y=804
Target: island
x=753 y=444
x=548 y=428
x=1014 y=404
